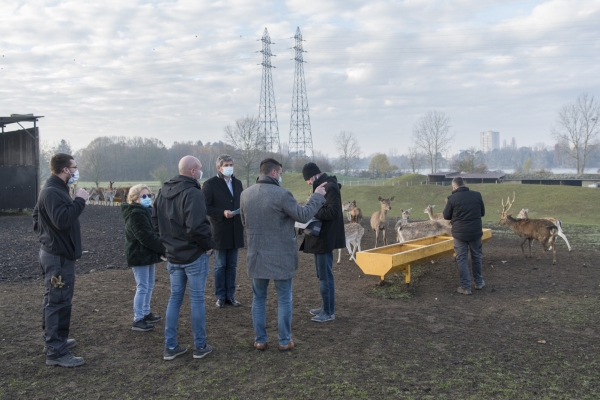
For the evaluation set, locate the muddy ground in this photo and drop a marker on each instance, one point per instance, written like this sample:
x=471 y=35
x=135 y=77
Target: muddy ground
x=532 y=332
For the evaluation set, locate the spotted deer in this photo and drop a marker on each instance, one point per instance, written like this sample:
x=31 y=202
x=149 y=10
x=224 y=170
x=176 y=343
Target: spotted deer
x=429 y=211
x=354 y=233
x=96 y=195
x=379 y=219
x=404 y=220
x=354 y=213
x=524 y=214
x=541 y=230
x=421 y=229
x=109 y=194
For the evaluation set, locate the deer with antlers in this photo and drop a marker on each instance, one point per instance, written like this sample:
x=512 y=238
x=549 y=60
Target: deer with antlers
x=524 y=214
x=541 y=230
x=379 y=219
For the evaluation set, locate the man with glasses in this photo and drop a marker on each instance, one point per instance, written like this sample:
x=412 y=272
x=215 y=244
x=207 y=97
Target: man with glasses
x=56 y=222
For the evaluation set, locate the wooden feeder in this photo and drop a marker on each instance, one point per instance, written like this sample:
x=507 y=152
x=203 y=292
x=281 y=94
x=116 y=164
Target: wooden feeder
x=399 y=257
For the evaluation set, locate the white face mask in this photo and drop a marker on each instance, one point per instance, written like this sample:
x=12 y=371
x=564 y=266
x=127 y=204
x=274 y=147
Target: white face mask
x=199 y=177
x=227 y=171
x=279 y=180
x=74 y=177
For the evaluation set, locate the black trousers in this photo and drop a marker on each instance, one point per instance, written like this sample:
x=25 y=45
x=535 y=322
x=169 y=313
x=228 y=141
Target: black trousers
x=56 y=304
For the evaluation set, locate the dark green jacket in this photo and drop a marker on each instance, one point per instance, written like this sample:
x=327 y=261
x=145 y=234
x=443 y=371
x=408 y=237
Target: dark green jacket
x=142 y=246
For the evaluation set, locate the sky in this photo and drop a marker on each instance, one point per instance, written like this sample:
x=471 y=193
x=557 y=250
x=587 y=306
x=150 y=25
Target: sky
x=182 y=70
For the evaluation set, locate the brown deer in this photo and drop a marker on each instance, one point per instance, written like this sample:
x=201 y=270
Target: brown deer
x=354 y=213
x=402 y=221
x=524 y=214
x=379 y=219
x=429 y=211
x=421 y=229
x=541 y=230
x=354 y=233
x=109 y=194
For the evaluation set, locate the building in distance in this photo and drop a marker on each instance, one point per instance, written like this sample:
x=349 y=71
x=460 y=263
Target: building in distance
x=490 y=140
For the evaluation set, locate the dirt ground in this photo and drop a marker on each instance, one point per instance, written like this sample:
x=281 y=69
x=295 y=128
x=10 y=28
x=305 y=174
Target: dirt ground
x=532 y=332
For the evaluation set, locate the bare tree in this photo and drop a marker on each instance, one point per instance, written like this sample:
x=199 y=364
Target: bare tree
x=244 y=136
x=414 y=159
x=576 y=129
x=349 y=149
x=469 y=161
x=93 y=160
x=431 y=134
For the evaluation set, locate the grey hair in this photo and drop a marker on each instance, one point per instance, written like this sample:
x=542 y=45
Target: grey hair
x=223 y=158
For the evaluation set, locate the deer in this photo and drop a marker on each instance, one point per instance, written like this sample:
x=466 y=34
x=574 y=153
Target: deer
x=122 y=193
x=429 y=211
x=354 y=233
x=421 y=229
x=109 y=194
x=404 y=220
x=524 y=214
x=541 y=230
x=379 y=219
x=96 y=194
x=354 y=213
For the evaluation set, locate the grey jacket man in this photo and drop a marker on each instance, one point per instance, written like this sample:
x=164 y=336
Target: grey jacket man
x=268 y=213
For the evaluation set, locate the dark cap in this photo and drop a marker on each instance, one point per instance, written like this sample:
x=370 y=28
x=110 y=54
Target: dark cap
x=309 y=170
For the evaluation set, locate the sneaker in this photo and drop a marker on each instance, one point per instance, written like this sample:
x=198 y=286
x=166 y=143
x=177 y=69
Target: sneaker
x=220 y=303
x=234 y=302
x=480 y=286
x=199 y=353
x=141 y=326
x=462 y=290
x=68 y=360
x=287 y=347
x=316 y=311
x=152 y=318
x=323 y=317
x=170 y=354
x=70 y=344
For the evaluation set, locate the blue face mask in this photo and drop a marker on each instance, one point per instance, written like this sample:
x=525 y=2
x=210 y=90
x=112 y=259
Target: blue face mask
x=147 y=202
x=279 y=180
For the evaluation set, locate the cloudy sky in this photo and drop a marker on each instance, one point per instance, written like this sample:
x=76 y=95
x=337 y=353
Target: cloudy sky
x=184 y=69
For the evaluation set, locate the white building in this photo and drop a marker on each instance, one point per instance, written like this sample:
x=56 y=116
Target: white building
x=490 y=141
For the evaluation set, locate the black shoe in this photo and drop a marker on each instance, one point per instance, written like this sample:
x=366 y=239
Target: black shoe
x=170 y=354
x=68 y=360
x=70 y=344
x=234 y=302
x=199 y=353
x=141 y=326
x=152 y=318
x=220 y=303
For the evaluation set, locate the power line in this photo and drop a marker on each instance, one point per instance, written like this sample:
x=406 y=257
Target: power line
x=300 y=143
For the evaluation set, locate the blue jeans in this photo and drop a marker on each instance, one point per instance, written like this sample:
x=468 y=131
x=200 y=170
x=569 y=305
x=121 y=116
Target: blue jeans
x=225 y=271
x=144 y=279
x=462 y=259
x=324 y=266
x=195 y=273
x=284 y=309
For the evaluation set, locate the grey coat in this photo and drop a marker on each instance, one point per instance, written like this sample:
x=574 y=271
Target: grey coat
x=268 y=213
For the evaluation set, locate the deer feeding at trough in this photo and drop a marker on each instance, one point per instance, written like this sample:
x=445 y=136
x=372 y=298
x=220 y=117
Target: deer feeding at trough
x=524 y=214
x=421 y=229
x=429 y=211
x=402 y=221
x=379 y=219
x=354 y=213
x=541 y=230
x=354 y=233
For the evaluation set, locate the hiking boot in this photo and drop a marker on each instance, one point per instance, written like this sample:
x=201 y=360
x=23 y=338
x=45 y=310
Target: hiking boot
x=322 y=317
x=68 y=360
x=260 y=346
x=287 y=347
x=141 y=326
x=170 y=354
x=152 y=318
x=199 y=353
x=480 y=286
x=70 y=344
x=462 y=290
x=316 y=311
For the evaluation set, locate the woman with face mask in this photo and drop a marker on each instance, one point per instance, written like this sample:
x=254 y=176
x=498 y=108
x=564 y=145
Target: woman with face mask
x=143 y=249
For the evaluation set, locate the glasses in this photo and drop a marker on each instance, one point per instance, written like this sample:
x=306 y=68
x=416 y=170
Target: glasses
x=147 y=195
x=73 y=167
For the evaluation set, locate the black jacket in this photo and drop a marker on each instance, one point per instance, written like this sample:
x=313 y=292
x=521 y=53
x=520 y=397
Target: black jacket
x=332 y=234
x=179 y=217
x=56 y=219
x=465 y=209
x=228 y=233
x=142 y=245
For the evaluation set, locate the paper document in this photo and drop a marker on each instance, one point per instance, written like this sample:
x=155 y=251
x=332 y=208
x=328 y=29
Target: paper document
x=302 y=226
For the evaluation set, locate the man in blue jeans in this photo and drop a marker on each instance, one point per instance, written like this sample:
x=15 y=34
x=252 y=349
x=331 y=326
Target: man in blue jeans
x=180 y=219
x=465 y=209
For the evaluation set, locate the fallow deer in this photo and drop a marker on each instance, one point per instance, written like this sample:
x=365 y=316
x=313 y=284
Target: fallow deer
x=354 y=233
x=354 y=213
x=96 y=195
x=109 y=194
x=429 y=211
x=379 y=219
x=402 y=221
x=524 y=214
x=421 y=229
x=541 y=230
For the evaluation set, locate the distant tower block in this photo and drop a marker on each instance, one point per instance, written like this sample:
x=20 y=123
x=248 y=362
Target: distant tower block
x=267 y=112
x=300 y=143
x=490 y=140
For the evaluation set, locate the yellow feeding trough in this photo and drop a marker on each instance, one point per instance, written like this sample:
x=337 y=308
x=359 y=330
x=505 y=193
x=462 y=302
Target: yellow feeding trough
x=399 y=257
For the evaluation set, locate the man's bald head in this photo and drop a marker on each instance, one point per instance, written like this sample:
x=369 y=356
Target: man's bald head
x=190 y=166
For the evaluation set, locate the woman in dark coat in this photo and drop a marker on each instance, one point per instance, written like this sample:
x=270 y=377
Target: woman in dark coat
x=143 y=249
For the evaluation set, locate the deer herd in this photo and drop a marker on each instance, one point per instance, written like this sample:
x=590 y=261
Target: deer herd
x=106 y=196
x=544 y=230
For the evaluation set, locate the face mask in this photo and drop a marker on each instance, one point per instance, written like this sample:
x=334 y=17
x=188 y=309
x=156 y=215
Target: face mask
x=199 y=177
x=74 y=177
x=227 y=171
x=279 y=180
x=147 y=202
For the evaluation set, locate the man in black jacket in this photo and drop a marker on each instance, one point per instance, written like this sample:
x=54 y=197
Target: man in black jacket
x=56 y=222
x=465 y=209
x=222 y=194
x=331 y=237
x=179 y=217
